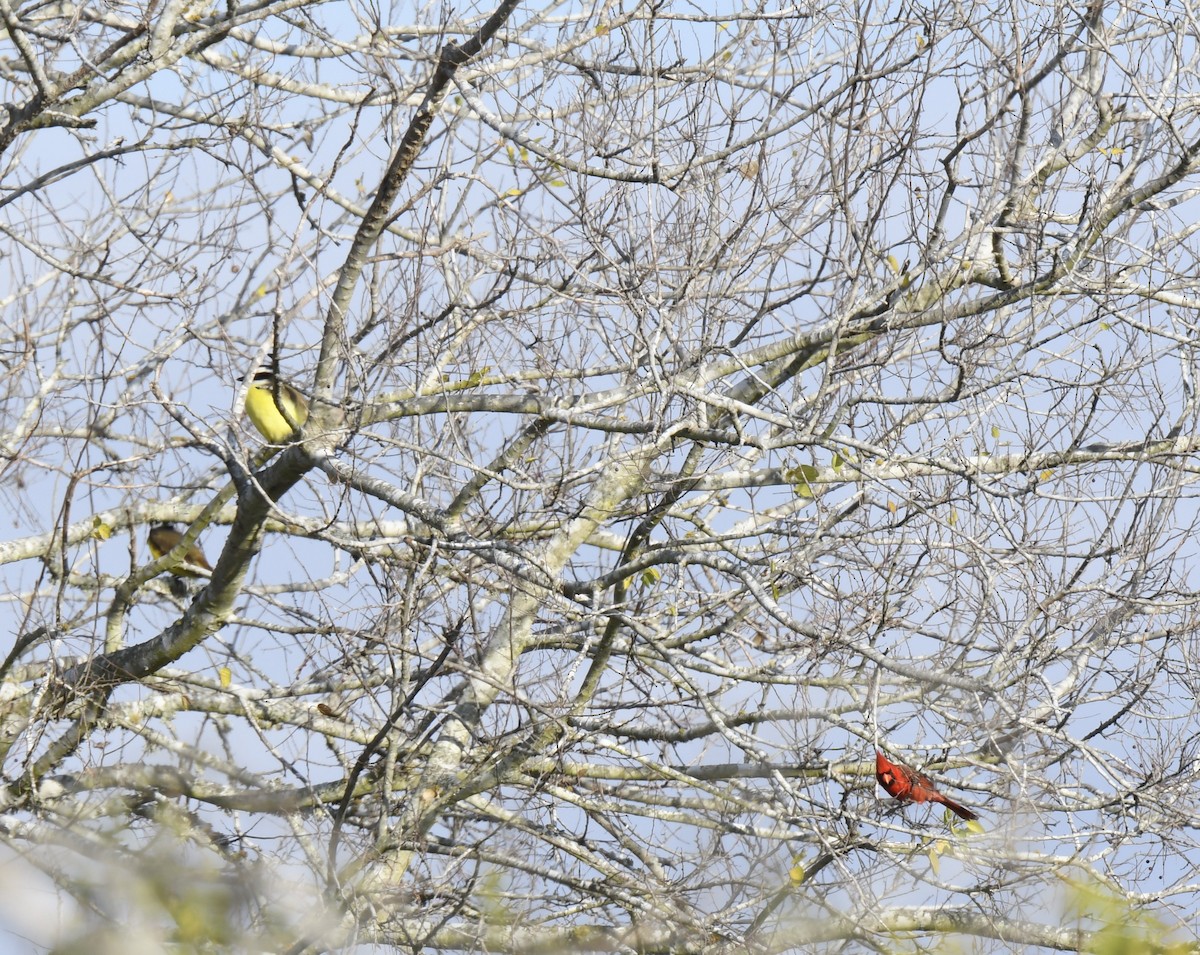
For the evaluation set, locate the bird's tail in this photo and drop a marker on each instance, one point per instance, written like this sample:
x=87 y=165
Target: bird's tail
x=957 y=808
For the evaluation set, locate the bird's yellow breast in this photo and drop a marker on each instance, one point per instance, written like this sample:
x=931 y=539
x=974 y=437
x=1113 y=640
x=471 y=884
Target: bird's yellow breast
x=266 y=416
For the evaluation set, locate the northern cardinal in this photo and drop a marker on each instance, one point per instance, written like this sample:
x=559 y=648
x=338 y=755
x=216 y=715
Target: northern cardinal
x=907 y=784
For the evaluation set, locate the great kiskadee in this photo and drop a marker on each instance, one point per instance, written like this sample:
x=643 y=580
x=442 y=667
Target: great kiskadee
x=276 y=408
x=164 y=538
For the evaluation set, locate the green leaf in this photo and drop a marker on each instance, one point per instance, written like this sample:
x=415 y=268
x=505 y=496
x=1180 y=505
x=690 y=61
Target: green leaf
x=802 y=479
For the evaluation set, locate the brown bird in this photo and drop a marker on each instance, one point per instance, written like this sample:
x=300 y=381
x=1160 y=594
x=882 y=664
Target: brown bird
x=164 y=538
x=906 y=784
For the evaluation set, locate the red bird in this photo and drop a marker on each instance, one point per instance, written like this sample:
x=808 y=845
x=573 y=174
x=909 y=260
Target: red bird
x=907 y=784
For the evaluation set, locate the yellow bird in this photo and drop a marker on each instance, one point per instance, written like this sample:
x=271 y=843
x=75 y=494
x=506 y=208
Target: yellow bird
x=275 y=407
x=164 y=538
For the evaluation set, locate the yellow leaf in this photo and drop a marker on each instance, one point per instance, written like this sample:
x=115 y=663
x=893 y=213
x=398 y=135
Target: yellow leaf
x=893 y=264
x=953 y=517
x=921 y=41
x=892 y=506
x=261 y=290
x=100 y=530
x=226 y=676
x=935 y=860
x=514 y=191
x=650 y=577
x=995 y=431
x=1046 y=475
